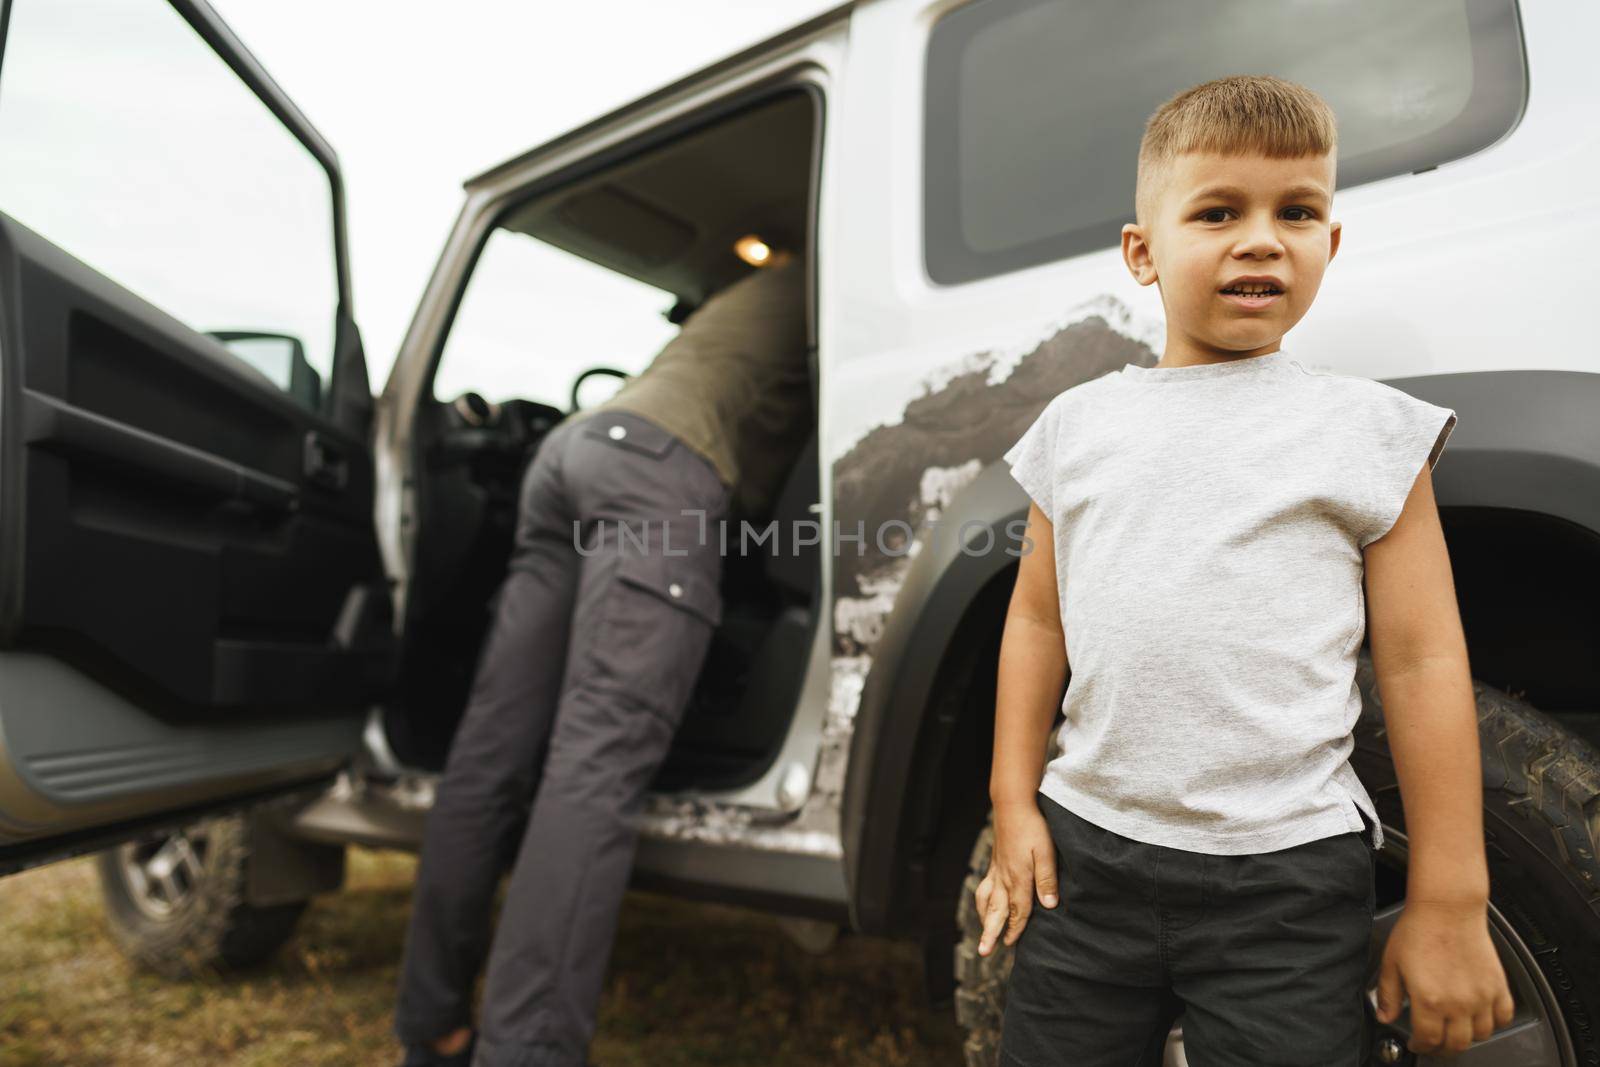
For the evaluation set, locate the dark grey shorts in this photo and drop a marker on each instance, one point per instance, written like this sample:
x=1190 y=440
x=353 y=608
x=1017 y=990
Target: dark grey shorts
x=1265 y=955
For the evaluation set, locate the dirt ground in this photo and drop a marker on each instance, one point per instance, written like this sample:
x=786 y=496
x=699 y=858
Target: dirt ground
x=690 y=984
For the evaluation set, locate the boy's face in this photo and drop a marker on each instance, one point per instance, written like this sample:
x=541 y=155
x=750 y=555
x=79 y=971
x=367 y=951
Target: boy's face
x=1219 y=217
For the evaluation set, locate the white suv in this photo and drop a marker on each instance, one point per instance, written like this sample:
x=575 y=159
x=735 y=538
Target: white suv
x=241 y=598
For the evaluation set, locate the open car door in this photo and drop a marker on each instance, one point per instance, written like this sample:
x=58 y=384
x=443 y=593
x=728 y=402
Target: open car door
x=193 y=609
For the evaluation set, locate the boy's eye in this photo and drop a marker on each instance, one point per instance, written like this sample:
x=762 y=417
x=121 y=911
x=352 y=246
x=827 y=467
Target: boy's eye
x=1306 y=214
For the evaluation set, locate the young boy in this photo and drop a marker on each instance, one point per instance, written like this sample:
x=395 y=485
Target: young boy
x=1212 y=520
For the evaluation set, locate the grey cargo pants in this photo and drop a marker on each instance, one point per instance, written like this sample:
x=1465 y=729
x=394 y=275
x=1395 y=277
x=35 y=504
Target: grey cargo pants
x=583 y=679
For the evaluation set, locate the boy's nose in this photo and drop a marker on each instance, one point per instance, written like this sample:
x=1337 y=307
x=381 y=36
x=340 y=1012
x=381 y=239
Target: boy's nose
x=1259 y=238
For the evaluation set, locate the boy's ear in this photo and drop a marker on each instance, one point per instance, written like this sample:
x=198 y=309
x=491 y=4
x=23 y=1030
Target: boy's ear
x=1136 y=253
x=1334 y=229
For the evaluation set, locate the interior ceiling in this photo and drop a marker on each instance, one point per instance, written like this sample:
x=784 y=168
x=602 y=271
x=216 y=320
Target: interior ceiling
x=669 y=217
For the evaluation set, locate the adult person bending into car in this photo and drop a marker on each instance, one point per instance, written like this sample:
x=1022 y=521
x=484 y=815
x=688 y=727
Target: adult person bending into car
x=591 y=658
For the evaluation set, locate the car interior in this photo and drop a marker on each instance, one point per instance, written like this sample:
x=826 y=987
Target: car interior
x=669 y=214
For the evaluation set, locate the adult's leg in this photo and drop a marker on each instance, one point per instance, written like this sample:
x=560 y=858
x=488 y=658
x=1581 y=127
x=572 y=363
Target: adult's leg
x=640 y=632
x=494 y=762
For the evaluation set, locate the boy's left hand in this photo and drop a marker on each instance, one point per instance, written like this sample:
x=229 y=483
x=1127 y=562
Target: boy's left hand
x=1440 y=954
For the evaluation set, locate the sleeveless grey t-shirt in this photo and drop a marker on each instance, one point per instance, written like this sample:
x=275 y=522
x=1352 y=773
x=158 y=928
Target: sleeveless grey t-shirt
x=1209 y=528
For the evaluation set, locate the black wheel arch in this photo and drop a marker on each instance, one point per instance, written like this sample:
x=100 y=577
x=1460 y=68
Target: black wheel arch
x=948 y=613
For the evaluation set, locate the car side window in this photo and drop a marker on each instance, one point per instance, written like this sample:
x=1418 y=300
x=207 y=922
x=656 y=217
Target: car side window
x=128 y=142
x=1034 y=108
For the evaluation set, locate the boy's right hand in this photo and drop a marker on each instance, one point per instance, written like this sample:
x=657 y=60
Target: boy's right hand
x=1024 y=860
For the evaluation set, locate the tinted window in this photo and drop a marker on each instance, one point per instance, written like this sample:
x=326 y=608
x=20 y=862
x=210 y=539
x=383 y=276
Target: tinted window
x=127 y=142
x=1034 y=110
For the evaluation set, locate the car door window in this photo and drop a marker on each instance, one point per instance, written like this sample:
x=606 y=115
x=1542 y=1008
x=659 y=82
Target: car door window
x=128 y=142
x=534 y=317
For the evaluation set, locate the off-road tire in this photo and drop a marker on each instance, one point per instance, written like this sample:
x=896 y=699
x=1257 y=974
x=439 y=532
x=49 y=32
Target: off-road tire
x=1541 y=816
x=213 y=931
x=1541 y=788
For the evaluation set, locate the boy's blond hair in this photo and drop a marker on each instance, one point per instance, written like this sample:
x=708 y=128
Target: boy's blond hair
x=1239 y=114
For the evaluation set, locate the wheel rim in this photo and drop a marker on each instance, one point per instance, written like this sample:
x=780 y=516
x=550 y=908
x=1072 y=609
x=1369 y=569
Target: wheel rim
x=161 y=872
x=1536 y=1036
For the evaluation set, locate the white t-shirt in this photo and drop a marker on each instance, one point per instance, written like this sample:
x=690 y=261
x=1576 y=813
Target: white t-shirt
x=1209 y=527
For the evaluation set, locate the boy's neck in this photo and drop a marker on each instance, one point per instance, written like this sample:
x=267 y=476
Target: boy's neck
x=1188 y=355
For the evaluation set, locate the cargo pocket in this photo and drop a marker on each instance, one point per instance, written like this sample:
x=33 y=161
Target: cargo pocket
x=657 y=630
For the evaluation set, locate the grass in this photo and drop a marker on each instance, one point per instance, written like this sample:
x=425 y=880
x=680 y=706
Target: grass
x=689 y=984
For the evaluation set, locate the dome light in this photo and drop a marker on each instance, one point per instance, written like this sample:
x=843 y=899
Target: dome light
x=753 y=250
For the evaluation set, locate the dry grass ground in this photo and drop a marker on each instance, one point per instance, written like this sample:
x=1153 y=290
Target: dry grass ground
x=690 y=984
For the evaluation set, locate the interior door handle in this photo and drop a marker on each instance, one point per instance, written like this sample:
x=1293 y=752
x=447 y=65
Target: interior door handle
x=325 y=463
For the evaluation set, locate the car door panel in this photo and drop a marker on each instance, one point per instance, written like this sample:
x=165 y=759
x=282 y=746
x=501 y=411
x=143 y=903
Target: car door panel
x=157 y=476
x=192 y=603
x=188 y=616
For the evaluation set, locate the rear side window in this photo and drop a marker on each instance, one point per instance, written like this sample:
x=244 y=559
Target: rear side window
x=126 y=141
x=1034 y=108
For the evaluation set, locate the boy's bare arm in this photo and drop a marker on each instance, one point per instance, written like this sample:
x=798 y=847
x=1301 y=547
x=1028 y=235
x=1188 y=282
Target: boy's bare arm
x=1033 y=666
x=1419 y=654
x=1440 y=951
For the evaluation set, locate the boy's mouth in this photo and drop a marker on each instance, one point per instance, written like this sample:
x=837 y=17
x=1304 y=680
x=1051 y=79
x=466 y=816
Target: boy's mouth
x=1252 y=295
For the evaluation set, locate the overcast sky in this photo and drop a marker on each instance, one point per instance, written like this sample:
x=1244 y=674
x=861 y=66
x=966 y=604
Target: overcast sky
x=416 y=97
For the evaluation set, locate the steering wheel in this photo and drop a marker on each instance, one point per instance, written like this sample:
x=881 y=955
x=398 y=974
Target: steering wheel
x=592 y=371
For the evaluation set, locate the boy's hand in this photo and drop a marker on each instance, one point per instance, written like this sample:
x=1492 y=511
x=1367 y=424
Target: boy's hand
x=1024 y=858
x=1441 y=955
